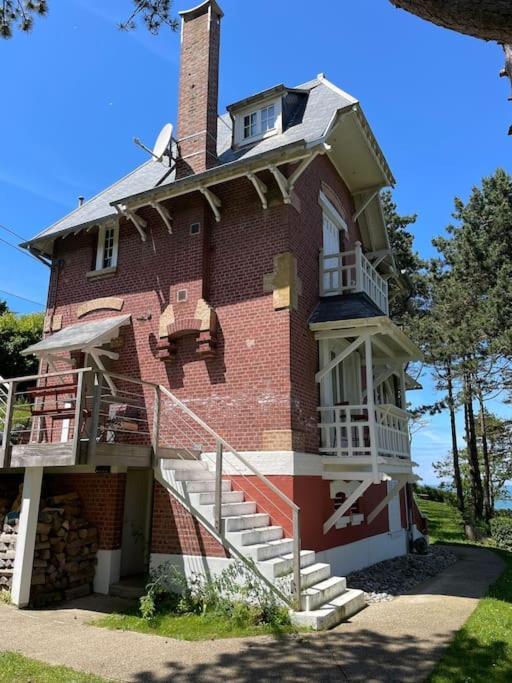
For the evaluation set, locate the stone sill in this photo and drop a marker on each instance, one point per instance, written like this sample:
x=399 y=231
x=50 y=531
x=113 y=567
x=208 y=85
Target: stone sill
x=99 y=274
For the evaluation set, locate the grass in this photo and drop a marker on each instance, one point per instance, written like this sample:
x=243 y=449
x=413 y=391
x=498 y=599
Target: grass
x=482 y=650
x=188 y=626
x=14 y=668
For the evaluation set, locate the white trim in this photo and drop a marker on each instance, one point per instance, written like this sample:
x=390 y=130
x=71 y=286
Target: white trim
x=108 y=570
x=192 y=564
x=321 y=77
x=256 y=108
x=360 y=554
x=332 y=212
x=285 y=463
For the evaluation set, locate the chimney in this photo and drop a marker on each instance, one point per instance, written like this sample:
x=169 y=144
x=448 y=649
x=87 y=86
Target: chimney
x=198 y=90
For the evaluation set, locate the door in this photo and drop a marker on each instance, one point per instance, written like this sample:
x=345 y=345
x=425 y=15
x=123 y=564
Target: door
x=331 y=245
x=136 y=522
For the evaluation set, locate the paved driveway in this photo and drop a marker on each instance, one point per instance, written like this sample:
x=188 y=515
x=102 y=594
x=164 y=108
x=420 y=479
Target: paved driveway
x=394 y=641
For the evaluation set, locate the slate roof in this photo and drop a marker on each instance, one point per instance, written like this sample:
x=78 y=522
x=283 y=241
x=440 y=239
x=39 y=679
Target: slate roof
x=322 y=103
x=345 y=307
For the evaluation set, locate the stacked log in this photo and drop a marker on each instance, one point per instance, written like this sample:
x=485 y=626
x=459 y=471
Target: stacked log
x=65 y=551
x=9 y=532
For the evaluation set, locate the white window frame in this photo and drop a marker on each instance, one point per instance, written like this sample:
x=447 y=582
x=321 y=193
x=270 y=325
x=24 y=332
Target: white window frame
x=100 y=252
x=239 y=123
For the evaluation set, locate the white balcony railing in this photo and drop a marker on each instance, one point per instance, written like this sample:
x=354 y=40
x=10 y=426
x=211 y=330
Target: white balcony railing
x=351 y=271
x=345 y=431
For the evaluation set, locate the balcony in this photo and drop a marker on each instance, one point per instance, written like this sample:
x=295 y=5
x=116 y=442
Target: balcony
x=354 y=433
x=350 y=272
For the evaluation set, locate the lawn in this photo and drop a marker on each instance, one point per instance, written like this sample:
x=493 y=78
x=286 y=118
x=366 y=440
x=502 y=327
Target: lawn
x=14 y=668
x=482 y=649
x=188 y=626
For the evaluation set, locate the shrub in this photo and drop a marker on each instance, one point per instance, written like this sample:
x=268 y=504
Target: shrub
x=236 y=593
x=438 y=495
x=501 y=531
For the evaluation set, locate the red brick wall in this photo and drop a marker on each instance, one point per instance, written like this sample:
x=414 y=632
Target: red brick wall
x=306 y=242
x=102 y=496
x=176 y=532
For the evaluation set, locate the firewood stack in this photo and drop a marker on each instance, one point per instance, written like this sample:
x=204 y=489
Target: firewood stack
x=9 y=531
x=65 y=551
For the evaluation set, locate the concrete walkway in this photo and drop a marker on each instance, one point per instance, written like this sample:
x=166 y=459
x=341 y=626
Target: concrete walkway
x=394 y=641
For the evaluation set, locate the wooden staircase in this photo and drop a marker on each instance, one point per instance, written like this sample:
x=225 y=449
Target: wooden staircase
x=325 y=599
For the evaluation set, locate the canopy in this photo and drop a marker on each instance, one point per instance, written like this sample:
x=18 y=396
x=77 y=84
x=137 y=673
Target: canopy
x=79 y=337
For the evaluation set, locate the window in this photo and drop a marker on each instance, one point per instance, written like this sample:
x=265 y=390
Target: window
x=195 y=228
x=268 y=118
x=260 y=122
x=108 y=243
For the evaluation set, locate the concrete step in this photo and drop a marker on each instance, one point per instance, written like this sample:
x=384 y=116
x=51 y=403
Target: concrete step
x=322 y=592
x=282 y=565
x=265 y=551
x=208 y=497
x=231 y=509
x=192 y=475
x=254 y=536
x=240 y=522
x=130 y=590
x=314 y=573
x=331 y=613
x=181 y=464
x=200 y=486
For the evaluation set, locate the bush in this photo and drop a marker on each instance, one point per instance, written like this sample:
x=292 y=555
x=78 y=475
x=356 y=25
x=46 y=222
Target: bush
x=501 y=531
x=236 y=593
x=439 y=495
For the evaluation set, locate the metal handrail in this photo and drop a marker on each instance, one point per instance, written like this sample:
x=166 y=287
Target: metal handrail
x=261 y=477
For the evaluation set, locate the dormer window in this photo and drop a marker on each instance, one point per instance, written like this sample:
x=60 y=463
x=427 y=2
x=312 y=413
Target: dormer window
x=258 y=122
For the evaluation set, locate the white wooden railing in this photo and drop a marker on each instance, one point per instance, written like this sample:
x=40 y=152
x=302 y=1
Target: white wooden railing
x=346 y=431
x=351 y=271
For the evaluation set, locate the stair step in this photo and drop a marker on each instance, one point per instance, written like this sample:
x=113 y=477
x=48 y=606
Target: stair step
x=314 y=573
x=266 y=551
x=324 y=591
x=265 y=534
x=232 y=509
x=331 y=613
x=241 y=522
x=202 y=486
x=208 y=497
x=181 y=464
x=282 y=565
x=191 y=475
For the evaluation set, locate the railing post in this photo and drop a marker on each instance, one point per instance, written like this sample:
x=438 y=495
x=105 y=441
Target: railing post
x=296 y=559
x=218 y=487
x=359 y=267
x=321 y=272
x=156 y=421
x=78 y=415
x=95 y=415
x=6 y=438
x=370 y=402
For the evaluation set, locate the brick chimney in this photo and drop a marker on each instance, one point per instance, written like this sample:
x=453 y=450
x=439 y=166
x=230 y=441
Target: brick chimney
x=198 y=90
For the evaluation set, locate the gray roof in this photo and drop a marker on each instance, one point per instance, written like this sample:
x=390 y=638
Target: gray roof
x=322 y=103
x=80 y=336
x=345 y=307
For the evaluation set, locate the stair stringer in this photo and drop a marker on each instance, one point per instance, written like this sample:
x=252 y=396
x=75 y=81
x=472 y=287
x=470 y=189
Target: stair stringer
x=325 y=599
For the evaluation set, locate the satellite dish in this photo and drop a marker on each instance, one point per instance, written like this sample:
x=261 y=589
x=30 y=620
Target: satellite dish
x=163 y=141
x=162 y=146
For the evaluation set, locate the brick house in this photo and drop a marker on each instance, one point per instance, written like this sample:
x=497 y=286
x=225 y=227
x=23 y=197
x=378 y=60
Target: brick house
x=219 y=376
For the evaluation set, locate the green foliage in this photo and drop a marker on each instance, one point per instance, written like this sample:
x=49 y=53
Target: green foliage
x=16 y=333
x=20 y=14
x=501 y=531
x=438 y=494
x=236 y=593
x=5 y=597
x=445 y=524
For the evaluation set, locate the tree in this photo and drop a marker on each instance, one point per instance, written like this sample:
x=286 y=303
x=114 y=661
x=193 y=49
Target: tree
x=16 y=333
x=408 y=292
x=485 y=19
x=20 y=14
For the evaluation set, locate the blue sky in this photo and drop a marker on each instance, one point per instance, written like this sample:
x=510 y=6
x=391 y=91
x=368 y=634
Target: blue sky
x=76 y=91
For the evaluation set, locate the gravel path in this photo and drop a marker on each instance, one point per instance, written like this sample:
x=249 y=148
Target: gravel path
x=386 y=580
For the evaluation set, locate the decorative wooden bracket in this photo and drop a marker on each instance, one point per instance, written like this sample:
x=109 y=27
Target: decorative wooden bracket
x=282 y=182
x=214 y=202
x=164 y=215
x=260 y=188
x=385 y=501
x=138 y=221
x=367 y=201
x=347 y=504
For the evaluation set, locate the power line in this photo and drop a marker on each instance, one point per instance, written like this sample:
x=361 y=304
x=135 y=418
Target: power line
x=4 y=227
x=22 y=251
x=17 y=296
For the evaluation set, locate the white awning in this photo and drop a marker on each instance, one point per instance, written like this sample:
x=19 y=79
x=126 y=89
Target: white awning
x=79 y=337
